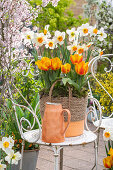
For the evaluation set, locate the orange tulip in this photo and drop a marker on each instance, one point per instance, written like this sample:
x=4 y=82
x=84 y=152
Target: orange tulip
x=44 y=63
x=76 y=58
x=55 y=63
x=81 y=68
x=66 y=68
x=108 y=162
x=111 y=152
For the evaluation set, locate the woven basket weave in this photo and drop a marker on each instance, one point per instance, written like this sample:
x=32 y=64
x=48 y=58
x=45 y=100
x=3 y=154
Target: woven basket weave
x=77 y=106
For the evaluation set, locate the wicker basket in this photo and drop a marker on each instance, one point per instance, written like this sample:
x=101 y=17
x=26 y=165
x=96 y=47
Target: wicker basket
x=77 y=107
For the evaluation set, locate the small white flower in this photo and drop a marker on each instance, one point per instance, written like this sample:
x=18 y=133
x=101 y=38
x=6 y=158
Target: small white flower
x=50 y=43
x=12 y=157
x=101 y=34
x=27 y=36
x=84 y=30
x=81 y=49
x=2 y=166
x=60 y=36
x=72 y=47
x=86 y=47
x=100 y=52
x=94 y=31
x=46 y=32
x=108 y=134
x=73 y=35
x=39 y=39
x=6 y=143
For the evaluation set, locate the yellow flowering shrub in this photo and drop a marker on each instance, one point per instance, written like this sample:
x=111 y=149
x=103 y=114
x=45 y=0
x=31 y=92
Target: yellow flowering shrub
x=107 y=82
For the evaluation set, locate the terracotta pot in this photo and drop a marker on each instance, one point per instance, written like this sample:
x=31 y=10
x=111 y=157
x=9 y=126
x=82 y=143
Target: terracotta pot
x=53 y=128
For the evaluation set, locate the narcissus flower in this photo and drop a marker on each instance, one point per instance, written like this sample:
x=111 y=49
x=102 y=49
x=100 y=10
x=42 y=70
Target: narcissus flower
x=2 y=166
x=50 y=43
x=72 y=34
x=94 y=31
x=108 y=134
x=80 y=49
x=6 y=143
x=39 y=39
x=81 y=68
x=101 y=34
x=76 y=58
x=55 y=63
x=27 y=36
x=46 y=32
x=72 y=47
x=101 y=51
x=60 y=36
x=44 y=63
x=66 y=68
x=84 y=30
x=108 y=162
x=12 y=157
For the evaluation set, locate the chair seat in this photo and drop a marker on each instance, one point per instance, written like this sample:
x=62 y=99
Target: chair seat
x=31 y=135
x=86 y=137
x=108 y=122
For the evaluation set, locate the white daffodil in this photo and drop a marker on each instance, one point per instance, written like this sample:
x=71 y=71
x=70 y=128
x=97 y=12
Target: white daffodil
x=101 y=34
x=2 y=166
x=100 y=52
x=72 y=47
x=81 y=49
x=46 y=32
x=12 y=157
x=27 y=36
x=6 y=144
x=84 y=30
x=50 y=43
x=39 y=39
x=73 y=35
x=60 y=36
x=86 y=47
x=107 y=134
x=94 y=31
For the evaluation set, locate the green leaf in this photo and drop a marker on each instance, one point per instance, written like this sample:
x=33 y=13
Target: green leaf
x=71 y=82
x=106 y=150
x=109 y=145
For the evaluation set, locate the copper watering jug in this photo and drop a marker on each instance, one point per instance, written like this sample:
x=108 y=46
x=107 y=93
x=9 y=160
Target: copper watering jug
x=53 y=129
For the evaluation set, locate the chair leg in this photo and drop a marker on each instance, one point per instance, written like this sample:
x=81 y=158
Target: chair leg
x=56 y=150
x=96 y=155
x=22 y=151
x=61 y=159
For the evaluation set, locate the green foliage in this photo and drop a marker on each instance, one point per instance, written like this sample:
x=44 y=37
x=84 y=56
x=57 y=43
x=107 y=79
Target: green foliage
x=59 y=18
x=106 y=80
x=29 y=87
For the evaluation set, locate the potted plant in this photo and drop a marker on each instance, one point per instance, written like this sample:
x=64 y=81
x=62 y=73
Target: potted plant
x=65 y=57
x=10 y=127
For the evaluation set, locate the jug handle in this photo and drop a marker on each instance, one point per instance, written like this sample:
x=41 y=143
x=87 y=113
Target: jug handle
x=69 y=118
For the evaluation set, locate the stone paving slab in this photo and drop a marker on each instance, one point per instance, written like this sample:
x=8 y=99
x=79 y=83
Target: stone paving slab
x=79 y=157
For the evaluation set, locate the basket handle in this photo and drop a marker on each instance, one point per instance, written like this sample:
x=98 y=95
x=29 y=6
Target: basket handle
x=51 y=89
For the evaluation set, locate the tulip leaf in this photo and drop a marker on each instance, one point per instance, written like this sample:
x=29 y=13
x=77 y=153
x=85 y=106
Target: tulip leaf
x=71 y=82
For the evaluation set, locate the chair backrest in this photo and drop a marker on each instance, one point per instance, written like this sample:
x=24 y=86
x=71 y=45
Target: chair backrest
x=28 y=107
x=94 y=114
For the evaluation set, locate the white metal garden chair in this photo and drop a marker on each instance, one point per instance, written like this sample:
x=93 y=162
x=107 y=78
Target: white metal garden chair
x=107 y=121
x=34 y=136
